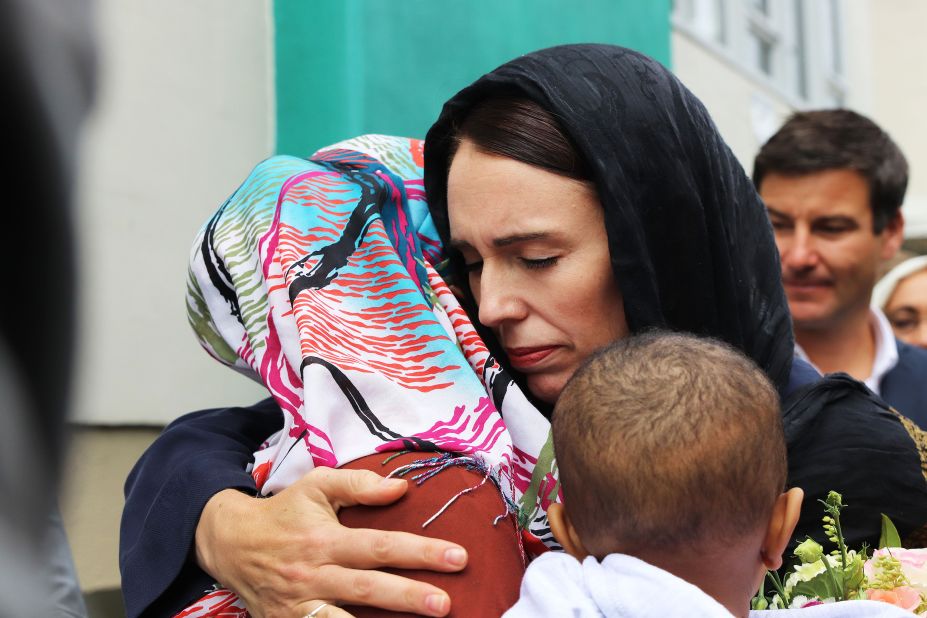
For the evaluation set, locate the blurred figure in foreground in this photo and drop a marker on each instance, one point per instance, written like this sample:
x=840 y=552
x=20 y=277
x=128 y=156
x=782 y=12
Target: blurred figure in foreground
x=47 y=56
x=833 y=183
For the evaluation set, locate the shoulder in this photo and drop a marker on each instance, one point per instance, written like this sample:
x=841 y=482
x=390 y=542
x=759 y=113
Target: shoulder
x=909 y=355
x=904 y=387
x=815 y=402
x=802 y=374
x=554 y=566
x=553 y=586
x=842 y=437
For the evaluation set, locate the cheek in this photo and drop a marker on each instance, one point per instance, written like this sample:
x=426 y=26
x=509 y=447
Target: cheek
x=847 y=266
x=473 y=282
x=602 y=309
x=614 y=324
x=862 y=253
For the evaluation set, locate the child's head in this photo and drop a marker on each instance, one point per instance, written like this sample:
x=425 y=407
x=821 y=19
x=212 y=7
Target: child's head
x=666 y=442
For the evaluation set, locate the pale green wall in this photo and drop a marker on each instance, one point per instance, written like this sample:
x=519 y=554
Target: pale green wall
x=348 y=67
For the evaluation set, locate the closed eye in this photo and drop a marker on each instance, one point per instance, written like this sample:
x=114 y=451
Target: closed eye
x=904 y=319
x=779 y=221
x=473 y=267
x=904 y=325
x=834 y=225
x=833 y=229
x=540 y=263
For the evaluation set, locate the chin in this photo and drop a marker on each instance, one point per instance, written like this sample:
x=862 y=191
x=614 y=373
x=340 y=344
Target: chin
x=813 y=323
x=811 y=317
x=546 y=388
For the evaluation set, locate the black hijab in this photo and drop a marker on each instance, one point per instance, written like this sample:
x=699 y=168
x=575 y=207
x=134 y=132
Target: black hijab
x=692 y=250
x=691 y=246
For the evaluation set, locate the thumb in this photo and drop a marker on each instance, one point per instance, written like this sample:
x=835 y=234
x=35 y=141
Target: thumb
x=350 y=487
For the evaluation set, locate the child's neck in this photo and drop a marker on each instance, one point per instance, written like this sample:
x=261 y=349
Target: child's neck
x=727 y=574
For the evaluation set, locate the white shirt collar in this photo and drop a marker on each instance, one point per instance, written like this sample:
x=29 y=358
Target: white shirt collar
x=886 y=352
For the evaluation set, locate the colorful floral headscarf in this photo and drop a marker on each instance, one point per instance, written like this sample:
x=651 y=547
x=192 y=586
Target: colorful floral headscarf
x=318 y=278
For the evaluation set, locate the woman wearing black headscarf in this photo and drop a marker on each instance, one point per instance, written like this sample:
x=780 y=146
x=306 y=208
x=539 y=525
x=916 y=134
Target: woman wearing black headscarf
x=690 y=249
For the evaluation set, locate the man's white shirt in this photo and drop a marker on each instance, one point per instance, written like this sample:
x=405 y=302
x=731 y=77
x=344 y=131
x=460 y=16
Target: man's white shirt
x=886 y=352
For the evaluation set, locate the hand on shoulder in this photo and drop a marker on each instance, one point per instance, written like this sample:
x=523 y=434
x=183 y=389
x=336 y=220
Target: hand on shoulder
x=286 y=553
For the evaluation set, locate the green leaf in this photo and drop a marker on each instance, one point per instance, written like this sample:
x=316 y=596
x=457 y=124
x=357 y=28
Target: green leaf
x=853 y=577
x=821 y=586
x=889 y=537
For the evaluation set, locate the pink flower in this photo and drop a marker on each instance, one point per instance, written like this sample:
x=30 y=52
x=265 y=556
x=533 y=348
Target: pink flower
x=812 y=604
x=905 y=597
x=913 y=565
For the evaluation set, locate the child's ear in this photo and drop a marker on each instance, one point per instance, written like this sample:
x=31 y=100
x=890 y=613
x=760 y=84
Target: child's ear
x=781 y=526
x=564 y=531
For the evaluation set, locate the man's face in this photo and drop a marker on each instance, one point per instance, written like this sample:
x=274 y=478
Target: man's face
x=830 y=254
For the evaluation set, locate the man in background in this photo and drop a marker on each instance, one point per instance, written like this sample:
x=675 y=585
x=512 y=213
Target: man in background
x=834 y=183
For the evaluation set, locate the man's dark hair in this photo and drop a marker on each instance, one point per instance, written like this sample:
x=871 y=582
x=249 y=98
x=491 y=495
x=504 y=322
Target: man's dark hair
x=816 y=141
x=668 y=441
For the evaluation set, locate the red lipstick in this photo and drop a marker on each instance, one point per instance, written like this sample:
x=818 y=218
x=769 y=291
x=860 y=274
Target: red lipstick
x=525 y=358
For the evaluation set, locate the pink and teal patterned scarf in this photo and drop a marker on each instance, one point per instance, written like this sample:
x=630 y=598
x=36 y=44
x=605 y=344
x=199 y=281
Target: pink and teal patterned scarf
x=319 y=278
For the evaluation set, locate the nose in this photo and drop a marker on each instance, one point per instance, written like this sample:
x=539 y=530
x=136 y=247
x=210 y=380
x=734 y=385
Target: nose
x=498 y=298
x=798 y=252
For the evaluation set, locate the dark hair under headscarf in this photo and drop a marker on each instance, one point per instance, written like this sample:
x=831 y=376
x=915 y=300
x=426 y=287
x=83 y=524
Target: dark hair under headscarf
x=691 y=246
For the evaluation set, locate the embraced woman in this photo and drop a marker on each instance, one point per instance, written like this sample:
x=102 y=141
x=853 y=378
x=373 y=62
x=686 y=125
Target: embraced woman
x=581 y=194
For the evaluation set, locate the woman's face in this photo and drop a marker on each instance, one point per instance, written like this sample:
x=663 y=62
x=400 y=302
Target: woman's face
x=907 y=309
x=537 y=255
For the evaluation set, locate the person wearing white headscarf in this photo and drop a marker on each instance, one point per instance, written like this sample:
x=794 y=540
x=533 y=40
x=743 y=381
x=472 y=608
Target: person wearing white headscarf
x=902 y=295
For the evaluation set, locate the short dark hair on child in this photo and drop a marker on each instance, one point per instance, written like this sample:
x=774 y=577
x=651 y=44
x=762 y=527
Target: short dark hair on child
x=668 y=440
x=815 y=141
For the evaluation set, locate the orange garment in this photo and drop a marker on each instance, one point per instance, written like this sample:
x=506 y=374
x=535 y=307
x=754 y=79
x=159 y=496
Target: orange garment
x=490 y=582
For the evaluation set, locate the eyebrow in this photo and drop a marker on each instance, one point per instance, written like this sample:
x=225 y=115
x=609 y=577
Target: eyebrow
x=834 y=217
x=506 y=241
x=775 y=213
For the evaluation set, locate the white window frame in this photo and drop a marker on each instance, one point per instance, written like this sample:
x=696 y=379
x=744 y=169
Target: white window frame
x=818 y=54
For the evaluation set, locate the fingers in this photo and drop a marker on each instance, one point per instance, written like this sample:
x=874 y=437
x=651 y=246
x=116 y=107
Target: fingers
x=364 y=548
x=378 y=589
x=350 y=487
x=305 y=553
x=319 y=609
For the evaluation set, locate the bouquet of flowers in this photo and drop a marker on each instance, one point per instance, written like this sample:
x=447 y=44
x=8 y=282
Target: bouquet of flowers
x=892 y=574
